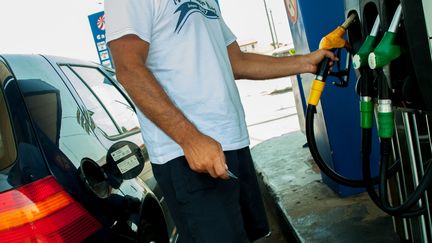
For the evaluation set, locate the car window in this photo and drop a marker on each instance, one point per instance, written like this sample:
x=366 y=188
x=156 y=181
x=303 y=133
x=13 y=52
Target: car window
x=111 y=99
x=7 y=143
x=117 y=105
x=97 y=112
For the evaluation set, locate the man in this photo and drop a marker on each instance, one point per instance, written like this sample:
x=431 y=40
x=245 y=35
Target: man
x=178 y=60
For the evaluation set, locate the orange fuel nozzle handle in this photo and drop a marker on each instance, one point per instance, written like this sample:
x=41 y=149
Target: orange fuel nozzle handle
x=335 y=40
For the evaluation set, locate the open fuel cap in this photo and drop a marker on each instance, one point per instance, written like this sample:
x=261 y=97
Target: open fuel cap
x=124 y=161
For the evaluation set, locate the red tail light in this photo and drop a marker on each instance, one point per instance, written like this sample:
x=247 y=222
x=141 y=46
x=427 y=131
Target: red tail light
x=43 y=212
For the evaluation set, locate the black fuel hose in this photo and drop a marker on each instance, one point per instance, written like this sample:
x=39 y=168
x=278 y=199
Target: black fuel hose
x=416 y=195
x=310 y=135
x=405 y=210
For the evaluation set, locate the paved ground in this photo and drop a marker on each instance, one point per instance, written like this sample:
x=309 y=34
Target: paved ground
x=280 y=229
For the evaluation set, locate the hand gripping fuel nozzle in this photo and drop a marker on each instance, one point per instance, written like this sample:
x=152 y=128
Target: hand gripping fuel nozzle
x=333 y=41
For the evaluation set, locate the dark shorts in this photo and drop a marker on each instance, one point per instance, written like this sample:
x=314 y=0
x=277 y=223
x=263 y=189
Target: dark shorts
x=210 y=210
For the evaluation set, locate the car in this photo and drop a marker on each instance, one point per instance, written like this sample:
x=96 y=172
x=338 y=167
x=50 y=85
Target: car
x=73 y=165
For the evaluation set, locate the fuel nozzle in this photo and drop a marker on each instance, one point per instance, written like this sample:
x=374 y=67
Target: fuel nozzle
x=361 y=58
x=333 y=40
x=387 y=50
x=365 y=82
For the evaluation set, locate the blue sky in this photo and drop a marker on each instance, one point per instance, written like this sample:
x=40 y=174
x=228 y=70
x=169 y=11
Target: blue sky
x=60 y=27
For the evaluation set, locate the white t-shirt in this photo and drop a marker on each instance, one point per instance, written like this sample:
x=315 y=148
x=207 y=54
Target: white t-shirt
x=189 y=58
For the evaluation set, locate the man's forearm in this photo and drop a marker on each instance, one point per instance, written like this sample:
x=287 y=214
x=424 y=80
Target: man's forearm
x=152 y=100
x=258 y=67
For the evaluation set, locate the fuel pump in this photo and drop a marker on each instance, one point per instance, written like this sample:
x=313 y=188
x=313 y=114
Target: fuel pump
x=360 y=62
x=379 y=60
x=332 y=41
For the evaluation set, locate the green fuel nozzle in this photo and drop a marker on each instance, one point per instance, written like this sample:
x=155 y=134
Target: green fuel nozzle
x=387 y=50
x=360 y=62
x=361 y=58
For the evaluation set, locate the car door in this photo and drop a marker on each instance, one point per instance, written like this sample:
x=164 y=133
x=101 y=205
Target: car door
x=113 y=119
x=110 y=110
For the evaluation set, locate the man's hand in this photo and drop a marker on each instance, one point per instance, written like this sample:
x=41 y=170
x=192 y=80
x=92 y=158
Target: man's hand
x=312 y=59
x=205 y=155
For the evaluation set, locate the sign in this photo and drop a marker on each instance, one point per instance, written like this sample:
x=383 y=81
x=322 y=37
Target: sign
x=97 y=24
x=291 y=6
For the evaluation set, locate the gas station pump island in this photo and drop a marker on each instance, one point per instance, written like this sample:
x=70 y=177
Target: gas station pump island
x=385 y=146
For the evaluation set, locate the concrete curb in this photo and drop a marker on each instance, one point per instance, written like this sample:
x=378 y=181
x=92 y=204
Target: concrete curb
x=312 y=210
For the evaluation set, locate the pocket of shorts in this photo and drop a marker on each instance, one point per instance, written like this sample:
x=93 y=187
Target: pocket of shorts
x=187 y=182
x=199 y=181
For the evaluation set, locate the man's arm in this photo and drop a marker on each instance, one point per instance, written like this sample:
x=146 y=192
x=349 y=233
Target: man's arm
x=203 y=153
x=258 y=67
